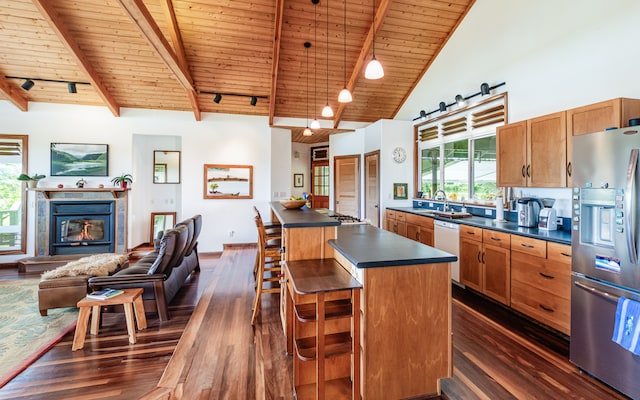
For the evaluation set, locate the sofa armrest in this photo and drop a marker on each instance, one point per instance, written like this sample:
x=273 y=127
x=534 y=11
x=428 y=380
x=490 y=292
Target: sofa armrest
x=125 y=279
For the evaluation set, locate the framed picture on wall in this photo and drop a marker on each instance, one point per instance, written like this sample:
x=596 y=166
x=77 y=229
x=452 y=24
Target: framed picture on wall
x=228 y=181
x=79 y=159
x=400 y=191
x=298 y=180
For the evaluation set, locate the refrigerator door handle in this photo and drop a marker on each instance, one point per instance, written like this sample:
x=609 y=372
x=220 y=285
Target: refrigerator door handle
x=629 y=203
x=608 y=296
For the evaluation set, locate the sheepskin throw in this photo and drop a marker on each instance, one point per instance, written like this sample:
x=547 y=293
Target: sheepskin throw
x=94 y=265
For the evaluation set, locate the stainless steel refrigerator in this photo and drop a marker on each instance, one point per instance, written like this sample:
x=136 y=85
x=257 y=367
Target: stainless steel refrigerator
x=605 y=242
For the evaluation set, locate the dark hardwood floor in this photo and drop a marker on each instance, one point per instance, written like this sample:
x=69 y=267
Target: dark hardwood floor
x=497 y=355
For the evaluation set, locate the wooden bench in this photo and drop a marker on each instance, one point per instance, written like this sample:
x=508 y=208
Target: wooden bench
x=44 y=263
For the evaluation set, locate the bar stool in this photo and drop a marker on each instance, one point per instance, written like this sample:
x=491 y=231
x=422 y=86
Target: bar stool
x=273 y=239
x=267 y=276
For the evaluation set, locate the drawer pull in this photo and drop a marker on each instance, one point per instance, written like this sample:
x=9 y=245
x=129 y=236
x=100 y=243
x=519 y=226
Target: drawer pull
x=546 y=276
x=566 y=255
x=496 y=239
x=528 y=246
x=471 y=233
x=479 y=258
x=547 y=309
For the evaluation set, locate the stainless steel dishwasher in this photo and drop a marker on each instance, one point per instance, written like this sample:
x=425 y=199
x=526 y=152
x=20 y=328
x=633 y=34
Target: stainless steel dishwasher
x=447 y=238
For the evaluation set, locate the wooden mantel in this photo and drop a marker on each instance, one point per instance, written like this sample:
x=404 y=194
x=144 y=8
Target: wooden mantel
x=46 y=191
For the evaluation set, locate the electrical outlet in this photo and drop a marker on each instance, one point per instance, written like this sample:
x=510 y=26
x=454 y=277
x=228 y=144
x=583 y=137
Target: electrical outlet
x=488 y=212
x=430 y=205
x=419 y=204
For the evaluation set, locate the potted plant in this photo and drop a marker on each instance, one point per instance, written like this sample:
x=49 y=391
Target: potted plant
x=123 y=180
x=32 y=181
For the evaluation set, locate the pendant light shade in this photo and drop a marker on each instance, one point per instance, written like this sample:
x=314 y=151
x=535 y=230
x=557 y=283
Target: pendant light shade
x=374 y=68
x=345 y=94
x=327 y=111
x=307 y=132
x=315 y=124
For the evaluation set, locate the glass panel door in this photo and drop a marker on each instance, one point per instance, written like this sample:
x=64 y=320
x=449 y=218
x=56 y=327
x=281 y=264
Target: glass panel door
x=13 y=198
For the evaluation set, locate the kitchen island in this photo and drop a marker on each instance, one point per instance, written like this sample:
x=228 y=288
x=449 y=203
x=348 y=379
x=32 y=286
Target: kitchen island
x=404 y=311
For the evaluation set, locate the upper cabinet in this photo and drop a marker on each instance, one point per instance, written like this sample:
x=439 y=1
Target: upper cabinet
x=597 y=117
x=533 y=152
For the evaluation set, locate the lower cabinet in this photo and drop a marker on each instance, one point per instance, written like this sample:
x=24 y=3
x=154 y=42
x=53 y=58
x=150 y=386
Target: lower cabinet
x=395 y=222
x=419 y=228
x=541 y=281
x=485 y=262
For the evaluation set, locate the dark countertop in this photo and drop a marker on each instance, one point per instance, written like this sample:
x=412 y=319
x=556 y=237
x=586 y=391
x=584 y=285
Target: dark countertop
x=301 y=217
x=563 y=237
x=367 y=247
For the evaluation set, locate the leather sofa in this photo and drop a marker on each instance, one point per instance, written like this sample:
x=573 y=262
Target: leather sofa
x=162 y=272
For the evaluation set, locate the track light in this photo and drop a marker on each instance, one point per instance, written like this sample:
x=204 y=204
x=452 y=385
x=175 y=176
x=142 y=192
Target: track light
x=71 y=86
x=217 y=98
x=254 y=100
x=485 y=89
x=28 y=84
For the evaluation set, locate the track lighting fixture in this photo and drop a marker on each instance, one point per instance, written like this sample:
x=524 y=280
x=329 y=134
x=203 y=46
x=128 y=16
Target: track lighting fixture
x=71 y=87
x=345 y=94
x=254 y=100
x=485 y=89
x=374 y=68
x=217 y=98
x=28 y=84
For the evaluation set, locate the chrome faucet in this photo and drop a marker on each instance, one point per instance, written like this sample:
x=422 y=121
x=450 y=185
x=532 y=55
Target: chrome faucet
x=444 y=197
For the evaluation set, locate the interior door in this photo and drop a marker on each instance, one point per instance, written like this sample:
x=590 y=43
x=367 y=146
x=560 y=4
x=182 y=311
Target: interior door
x=372 y=188
x=320 y=184
x=347 y=200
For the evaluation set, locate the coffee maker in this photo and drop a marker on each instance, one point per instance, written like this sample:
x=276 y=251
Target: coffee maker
x=528 y=210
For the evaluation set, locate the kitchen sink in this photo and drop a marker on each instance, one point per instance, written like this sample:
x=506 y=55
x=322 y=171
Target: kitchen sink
x=451 y=214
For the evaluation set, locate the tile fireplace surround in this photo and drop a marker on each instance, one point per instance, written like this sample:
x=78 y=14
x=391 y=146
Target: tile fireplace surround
x=44 y=197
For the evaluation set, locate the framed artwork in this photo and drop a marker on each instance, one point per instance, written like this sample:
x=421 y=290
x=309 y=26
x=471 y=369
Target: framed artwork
x=298 y=180
x=228 y=181
x=400 y=191
x=78 y=159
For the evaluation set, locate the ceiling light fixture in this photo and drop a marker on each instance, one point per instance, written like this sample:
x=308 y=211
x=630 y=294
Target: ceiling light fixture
x=307 y=131
x=218 y=98
x=485 y=89
x=374 y=68
x=254 y=101
x=315 y=124
x=28 y=84
x=345 y=94
x=327 y=111
x=71 y=87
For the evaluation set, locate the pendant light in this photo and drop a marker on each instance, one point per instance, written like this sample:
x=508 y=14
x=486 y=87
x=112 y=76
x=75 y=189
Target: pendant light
x=327 y=111
x=345 y=94
x=374 y=68
x=315 y=124
x=307 y=131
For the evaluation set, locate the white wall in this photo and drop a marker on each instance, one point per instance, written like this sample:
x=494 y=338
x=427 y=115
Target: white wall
x=395 y=134
x=217 y=139
x=300 y=164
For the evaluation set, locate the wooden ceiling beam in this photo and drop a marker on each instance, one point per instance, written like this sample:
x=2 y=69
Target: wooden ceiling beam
x=178 y=45
x=277 y=37
x=13 y=95
x=143 y=20
x=365 y=51
x=66 y=38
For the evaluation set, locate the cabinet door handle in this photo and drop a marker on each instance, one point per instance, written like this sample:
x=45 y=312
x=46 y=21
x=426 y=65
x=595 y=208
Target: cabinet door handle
x=566 y=255
x=569 y=169
x=528 y=246
x=528 y=167
x=496 y=239
x=546 y=276
x=547 y=309
x=483 y=257
x=523 y=175
x=470 y=233
x=479 y=260
x=418 y=236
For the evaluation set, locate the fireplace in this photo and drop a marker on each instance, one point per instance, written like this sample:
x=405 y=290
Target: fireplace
x=82 y=227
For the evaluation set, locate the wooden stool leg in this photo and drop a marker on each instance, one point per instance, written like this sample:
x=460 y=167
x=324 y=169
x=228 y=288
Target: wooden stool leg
x=141 y=318
x=128 y=312
x=95 y=319
x=81 y=329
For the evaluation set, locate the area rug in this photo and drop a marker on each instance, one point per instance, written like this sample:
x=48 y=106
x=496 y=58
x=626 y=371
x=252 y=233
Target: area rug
x=25 y=335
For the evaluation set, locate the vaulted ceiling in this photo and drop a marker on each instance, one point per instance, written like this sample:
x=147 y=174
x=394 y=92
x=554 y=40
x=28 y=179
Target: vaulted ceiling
x=176 y=55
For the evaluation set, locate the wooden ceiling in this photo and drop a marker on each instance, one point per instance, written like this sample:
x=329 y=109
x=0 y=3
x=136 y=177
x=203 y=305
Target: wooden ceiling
x=175 y=55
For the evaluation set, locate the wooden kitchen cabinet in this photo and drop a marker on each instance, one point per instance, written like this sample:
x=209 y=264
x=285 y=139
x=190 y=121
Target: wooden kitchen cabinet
x=485 y=262
x=419 y=228
x=396 y=222
x=541 y=281
x=600 y=116
x=533 y=152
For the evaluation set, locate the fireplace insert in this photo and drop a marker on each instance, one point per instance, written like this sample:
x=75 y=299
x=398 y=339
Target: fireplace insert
x=81 y=227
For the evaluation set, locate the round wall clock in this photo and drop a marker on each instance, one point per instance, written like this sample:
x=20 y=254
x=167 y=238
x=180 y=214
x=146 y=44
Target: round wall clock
x=399 y=155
